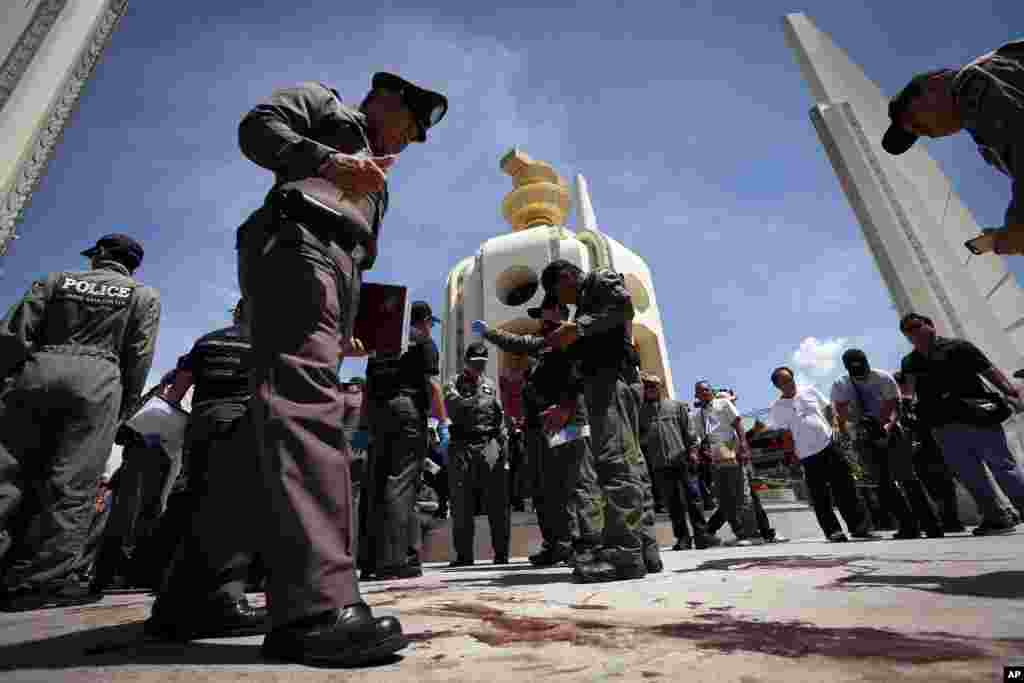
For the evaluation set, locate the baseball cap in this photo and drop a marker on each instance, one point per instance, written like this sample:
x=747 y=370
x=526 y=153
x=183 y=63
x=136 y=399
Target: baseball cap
x=420 y=311
x=476 y=351
x=897 y=139
x=119 y=245
x=427 y=107
x=855 y=360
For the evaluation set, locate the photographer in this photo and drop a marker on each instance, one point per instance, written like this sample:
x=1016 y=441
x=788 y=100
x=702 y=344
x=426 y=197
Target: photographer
x=884 y=443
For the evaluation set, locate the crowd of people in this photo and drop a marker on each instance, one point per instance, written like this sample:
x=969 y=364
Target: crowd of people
x=283 y=480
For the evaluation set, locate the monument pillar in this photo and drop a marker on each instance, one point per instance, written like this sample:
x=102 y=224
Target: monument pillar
x=48 y=50
x=913 y=221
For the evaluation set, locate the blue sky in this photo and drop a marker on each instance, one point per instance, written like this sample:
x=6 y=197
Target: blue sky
x=689 y=120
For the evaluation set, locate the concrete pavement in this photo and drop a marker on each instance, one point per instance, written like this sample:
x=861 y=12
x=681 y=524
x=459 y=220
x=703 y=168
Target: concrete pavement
x=949 y=609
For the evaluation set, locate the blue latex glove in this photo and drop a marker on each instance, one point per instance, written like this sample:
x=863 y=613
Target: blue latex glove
x=479 y=327
x=152 y=440
x=444 y=438
x=360 y=440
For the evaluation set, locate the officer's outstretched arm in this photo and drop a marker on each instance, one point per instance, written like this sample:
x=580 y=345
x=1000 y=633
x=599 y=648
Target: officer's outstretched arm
x=20 y=327
x=139 y=346
x=514 y=343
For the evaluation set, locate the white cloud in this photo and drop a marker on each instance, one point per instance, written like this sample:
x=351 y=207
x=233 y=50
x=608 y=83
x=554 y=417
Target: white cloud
x=818 y=358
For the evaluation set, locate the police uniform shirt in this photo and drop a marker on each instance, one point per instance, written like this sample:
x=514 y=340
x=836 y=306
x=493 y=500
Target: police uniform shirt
x=221 y=365
x=102 y=312
x=292 y=135
x=604 y=308
x=990 y=95
x=474 y=409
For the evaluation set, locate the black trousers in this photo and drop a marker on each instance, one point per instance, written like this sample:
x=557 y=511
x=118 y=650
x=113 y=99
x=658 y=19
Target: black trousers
x=901 y=492
x=399 y=429
x=679 y=495
x=218 y=553
x=135 y=512
x=469 y=476
x=830 y=484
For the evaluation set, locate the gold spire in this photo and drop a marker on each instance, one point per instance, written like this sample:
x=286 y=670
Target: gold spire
x=540 y=196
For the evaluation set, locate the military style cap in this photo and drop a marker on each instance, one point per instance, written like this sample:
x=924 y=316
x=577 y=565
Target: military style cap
x=476 y=351
x=427 y=107
x=420 y=311
x=116 y=243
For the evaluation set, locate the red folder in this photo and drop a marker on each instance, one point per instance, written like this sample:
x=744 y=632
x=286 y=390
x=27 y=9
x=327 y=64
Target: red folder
x=382 y=323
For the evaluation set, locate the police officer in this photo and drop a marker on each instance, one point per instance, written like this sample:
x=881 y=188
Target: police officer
x=557 y=468
x=599 y=337
x=79 y=345
x=205 y=595
x=670 y=446
x=985 y=98
x=403 y=392
x=302 y=269
x=477 y=462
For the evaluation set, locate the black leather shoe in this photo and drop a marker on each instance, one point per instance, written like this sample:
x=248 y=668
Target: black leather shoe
x=501 y=559
x=867 y=536
x=601 y=572
x=837 y=537
x=188 y=620
x=708 y=541
x=937 y=532
x=549 y=557
x=351 y=636
x=652 y=560
x=460 y=562
x=684 y=544
x=68 y=593
x=404 y=572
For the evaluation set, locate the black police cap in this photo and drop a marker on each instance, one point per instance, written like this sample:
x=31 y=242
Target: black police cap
x=117 y=244
x=476 y=351
x=427 y=107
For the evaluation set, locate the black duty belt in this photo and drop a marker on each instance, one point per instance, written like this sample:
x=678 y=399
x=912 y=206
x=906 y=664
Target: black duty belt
x=325 y=223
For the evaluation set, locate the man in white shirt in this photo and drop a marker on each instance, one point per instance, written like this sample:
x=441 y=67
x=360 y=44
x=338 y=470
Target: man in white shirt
x=719 y=425
x=801 y=410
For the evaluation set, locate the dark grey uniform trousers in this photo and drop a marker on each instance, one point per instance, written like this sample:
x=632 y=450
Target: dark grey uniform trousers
x=221 y=547
x=301 y=297
x=677 y=496
x=57 y=424
x=399 y=430
x=469 y=475
x=614 y=491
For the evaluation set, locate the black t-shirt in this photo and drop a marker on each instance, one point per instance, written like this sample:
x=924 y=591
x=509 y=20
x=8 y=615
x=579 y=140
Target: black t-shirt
x=388 y=377
x=950 y=370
